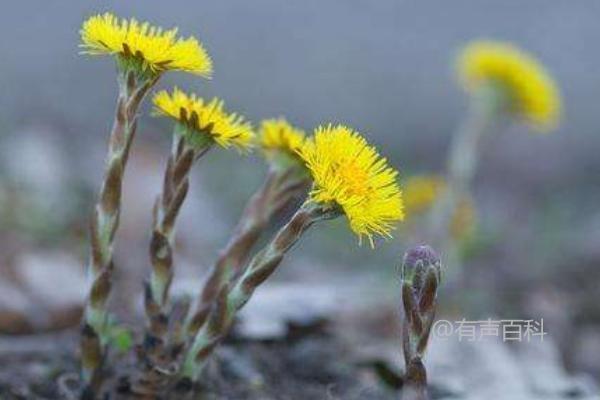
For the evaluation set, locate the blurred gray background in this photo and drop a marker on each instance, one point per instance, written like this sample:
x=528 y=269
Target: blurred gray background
x=382 y=66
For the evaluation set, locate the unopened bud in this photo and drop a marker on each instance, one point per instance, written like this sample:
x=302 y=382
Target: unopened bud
x=417 y=261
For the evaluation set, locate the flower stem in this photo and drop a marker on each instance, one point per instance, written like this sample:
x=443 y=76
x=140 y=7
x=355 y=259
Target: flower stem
x=158 y=362
x=105 y=221
x=234 y=295
x=415 y=381
x=278 y=191
x=484 y=110
x=166 y=210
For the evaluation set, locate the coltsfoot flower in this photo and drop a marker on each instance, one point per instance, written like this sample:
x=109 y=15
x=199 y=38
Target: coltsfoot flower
x=421 y=191
x=155 y=49
x=204 y=120
x=420 y=195
x=464 y=219
x=349 y=177
x=279 y=137
x=349 y=174
x=531 y=91
x=142 y=53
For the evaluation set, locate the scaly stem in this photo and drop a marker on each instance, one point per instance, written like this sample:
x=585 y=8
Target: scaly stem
x=415 y=335
x=158 y=364
x=233 y=297
x=280 y=188
x=415 y=381
x=166 y=210
x=105 y=221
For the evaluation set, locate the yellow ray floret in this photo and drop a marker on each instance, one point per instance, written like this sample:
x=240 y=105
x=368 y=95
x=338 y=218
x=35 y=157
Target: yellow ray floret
x=279 y=136
x=533 y=93
x=205 y=118
x=349 y=173
x=158 y=49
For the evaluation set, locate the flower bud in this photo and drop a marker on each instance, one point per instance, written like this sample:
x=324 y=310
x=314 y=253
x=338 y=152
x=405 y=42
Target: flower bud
x=417 y=262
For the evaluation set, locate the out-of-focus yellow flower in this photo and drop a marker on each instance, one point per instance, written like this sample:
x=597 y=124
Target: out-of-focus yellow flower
x=207 y=119
x=349 y=173
x=532 y=92
x=278 y=136
x=155 y=48
x=464 y=219
x=421 y=193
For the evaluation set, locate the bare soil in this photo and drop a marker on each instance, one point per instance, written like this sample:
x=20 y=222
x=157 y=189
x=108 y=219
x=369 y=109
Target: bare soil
x=314 y=366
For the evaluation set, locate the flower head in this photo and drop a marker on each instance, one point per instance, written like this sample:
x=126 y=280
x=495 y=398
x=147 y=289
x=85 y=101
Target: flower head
x=464 y=219
x=279 y=137
x=532 y=93
x=422 y=191
x=349 y=173
x=204 y=119
x=157 y=50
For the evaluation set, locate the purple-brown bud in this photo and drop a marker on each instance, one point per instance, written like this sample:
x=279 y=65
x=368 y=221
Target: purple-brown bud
x=417 y=261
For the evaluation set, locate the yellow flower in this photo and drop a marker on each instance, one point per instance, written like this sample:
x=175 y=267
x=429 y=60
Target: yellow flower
x=204 y=118
x=279 y=136
x=464 y=219
x=532 y=92
x=157 y=49
x=349 y=173
x=422 y=191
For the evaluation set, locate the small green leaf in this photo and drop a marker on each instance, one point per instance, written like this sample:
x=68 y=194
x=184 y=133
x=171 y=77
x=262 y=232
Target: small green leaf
x=122 y=339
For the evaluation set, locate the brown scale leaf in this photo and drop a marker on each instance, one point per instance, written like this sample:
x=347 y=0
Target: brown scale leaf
x=96 y=254
x=428 y=292
x=101 y=289
x=91 y=351
x=265 y=270
x=199 y=318
x=161 y=254
x=183 y=165
x=167 y=183
x=111 y=193
x=206 y=351
x=174 y=207
x=288 y=236
x=152 y=309
x=219 y=316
